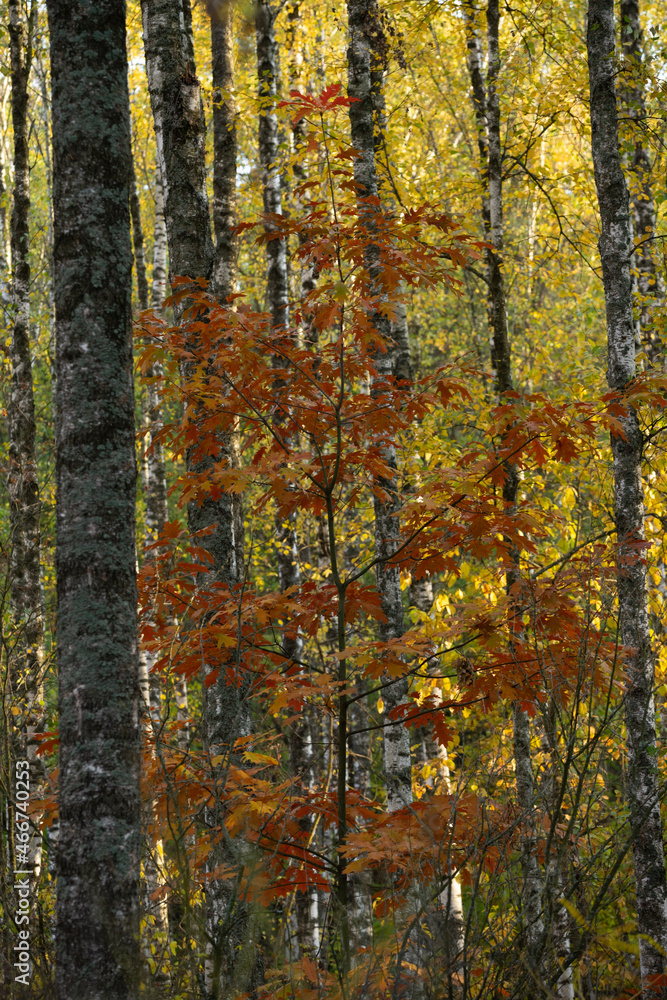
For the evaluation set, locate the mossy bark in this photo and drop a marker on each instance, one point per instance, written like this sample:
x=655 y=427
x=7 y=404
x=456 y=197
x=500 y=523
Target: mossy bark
x=97 y=934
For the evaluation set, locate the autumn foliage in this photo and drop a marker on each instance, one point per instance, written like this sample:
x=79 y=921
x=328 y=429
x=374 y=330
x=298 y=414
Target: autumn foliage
x=311 y=449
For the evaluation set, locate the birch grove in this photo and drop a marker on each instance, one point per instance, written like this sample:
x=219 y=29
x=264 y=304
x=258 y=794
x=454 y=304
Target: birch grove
x=333 y=654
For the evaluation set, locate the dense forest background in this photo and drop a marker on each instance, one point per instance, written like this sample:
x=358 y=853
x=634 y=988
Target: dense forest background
x=401 y=684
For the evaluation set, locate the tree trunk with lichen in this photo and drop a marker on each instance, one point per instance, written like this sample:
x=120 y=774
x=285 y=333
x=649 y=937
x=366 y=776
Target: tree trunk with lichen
x=180 y=133
x=224 y=146
x=649 y=286
x=363 y=22
x=486 y=107
x=180 y=130
x=397 y=762
x=449 y=920
x=26 y=656
x=97 y=929
x=138 y=242
x=276 y=256
x=400 y=332
x=615 y=246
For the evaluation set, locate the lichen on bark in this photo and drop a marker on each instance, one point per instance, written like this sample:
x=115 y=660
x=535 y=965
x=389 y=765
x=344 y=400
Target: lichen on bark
x=97 y=939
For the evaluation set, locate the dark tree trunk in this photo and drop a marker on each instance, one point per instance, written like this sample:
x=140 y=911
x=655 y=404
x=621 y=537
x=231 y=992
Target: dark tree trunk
x=650 y=288
x=615 y=245
x=97 y=939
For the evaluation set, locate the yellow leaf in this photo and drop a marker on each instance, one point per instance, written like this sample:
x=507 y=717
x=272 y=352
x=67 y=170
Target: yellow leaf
x=259 y=758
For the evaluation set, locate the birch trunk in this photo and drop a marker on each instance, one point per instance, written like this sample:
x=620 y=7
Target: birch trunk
x=3 y=205
x=159 y=275
x=308 y=272
x=267 y=75
x=300 y=733
x=486 y=106
x=615 y=245
x=305 y=903
x=276 y=253
x=649 y=287
x=157 y=507
x=400 y=332
x=157 y=514
x=138 y=241
x=224 y=146
x=97 y=938
x=450 y=899
x=142 y=296
x=363 y=21
x=501 y=357
x=26 y=658
x=397 y=761
x=180 y=132
x=475 y=66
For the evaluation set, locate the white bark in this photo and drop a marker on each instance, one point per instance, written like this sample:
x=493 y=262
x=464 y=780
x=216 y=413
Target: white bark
x=615 y=245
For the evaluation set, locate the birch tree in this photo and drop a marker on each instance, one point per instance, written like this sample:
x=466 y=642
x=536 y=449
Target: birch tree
x=486 y=107
x=224 y=145
x=97 y=940
x=179 y=123
x=363 y=22
x=277 y=289
x=649 y=282
x=138 y=242
x=615 y=245
x=23 y=485
x=397 y=761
